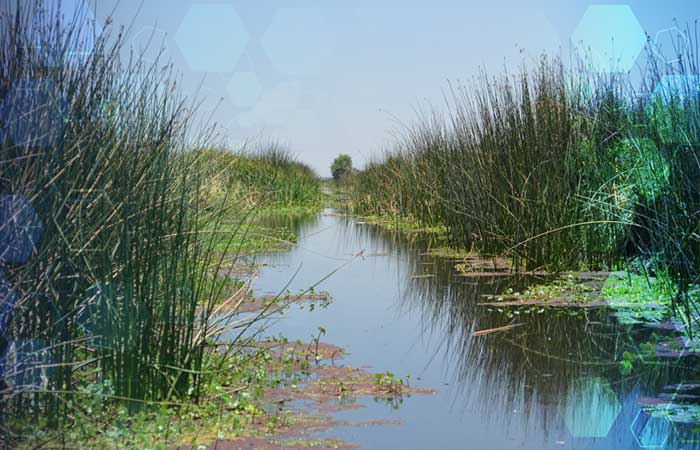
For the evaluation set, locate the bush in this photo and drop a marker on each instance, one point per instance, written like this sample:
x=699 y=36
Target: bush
x=341 y=169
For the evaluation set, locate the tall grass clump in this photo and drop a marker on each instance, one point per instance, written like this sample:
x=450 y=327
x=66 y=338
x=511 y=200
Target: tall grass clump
x=105 y=275
x=667 y=227
x=503 y=172
x=266 y=177
x=560 y=168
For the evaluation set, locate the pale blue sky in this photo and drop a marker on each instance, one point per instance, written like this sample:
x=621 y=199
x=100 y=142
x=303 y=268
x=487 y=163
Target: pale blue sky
x=327 y=77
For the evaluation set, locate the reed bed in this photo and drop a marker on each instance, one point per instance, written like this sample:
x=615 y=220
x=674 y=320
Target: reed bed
x=106 y=293
x=266 y=176
x=558 y=168
x=505 y=167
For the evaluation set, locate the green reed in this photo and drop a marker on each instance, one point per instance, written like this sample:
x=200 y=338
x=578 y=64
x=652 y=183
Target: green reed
x=558 y=168
x=267 y=176
x=501 y=169
x=117 y=292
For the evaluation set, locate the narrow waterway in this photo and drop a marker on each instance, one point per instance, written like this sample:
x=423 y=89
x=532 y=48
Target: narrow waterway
x=552 y=383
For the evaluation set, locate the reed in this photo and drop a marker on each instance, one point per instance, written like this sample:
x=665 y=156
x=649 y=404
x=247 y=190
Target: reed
x=506 y=166
x=106 y=270
x=558 y=168
x=266 y=176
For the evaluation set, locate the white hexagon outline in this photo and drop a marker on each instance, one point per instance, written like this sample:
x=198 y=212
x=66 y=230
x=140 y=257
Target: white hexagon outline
x=657 y=51
x=61 y=104
x=673 y=424
x=636 y=438
x=40 y=224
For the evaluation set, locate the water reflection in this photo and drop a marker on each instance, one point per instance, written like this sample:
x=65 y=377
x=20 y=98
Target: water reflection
x=554 y=381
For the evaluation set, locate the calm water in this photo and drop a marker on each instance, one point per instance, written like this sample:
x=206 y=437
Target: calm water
x=549 y=384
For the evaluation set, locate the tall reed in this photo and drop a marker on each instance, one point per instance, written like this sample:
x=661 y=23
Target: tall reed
x=559 y=167
x=266 y=175
x=505 y=167
x=105 y=204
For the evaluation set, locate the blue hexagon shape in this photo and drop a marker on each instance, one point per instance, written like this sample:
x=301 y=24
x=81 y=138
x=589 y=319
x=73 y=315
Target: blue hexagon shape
x=26 y=365
x=94 y=314
x=98 y=316
x=244 y=88
x=611 y=37
x=651 y=430
x=677 y=87
x=20 y=229
x=212 y=37
x=591 y=407
x=275 y=108
x=684 y=413
x=33 y=113
x=8 y=300
x=298 y=41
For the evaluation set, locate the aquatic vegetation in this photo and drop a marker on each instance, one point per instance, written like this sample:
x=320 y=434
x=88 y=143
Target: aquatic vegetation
x=117 y=198
x=266 y=177
x=397 y=223
x=245 y=237
x=502 y=173
x=557 y=169
x=390 y=383
x=118 y=230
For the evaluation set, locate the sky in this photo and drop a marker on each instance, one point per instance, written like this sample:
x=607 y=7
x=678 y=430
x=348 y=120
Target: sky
x=330 y=77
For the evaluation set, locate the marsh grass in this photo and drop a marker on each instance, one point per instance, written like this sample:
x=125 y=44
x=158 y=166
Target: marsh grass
x=117 y=291
x=502 y=168
x=558 y=168
x=265 y=177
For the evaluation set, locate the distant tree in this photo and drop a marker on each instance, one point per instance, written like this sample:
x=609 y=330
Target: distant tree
x=341 y=169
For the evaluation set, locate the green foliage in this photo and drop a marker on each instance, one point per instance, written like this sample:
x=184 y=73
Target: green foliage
x=234 y=389
x=120 y=267
x=118 y=295
x=504 y=173
x=389 y=383
x=247 y=237
x=557 y=170
x=266 y=178
x=341 y=168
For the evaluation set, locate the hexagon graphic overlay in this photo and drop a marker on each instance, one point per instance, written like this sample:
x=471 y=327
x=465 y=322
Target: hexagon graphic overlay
x=20 y=229
x=670 y=44
x=244 y=89
x=591 y=407
x=678 y=86
x=610 y=36
x=212 y=37
x=32 y=113
x=651 y=430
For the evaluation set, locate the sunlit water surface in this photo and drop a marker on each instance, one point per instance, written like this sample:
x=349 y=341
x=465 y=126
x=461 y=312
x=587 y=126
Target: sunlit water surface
x=552 y=383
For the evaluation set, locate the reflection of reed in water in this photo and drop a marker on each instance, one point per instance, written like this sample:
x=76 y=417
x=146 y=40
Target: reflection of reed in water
x=299 y=223
x=536 y=367
x=558 y=364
